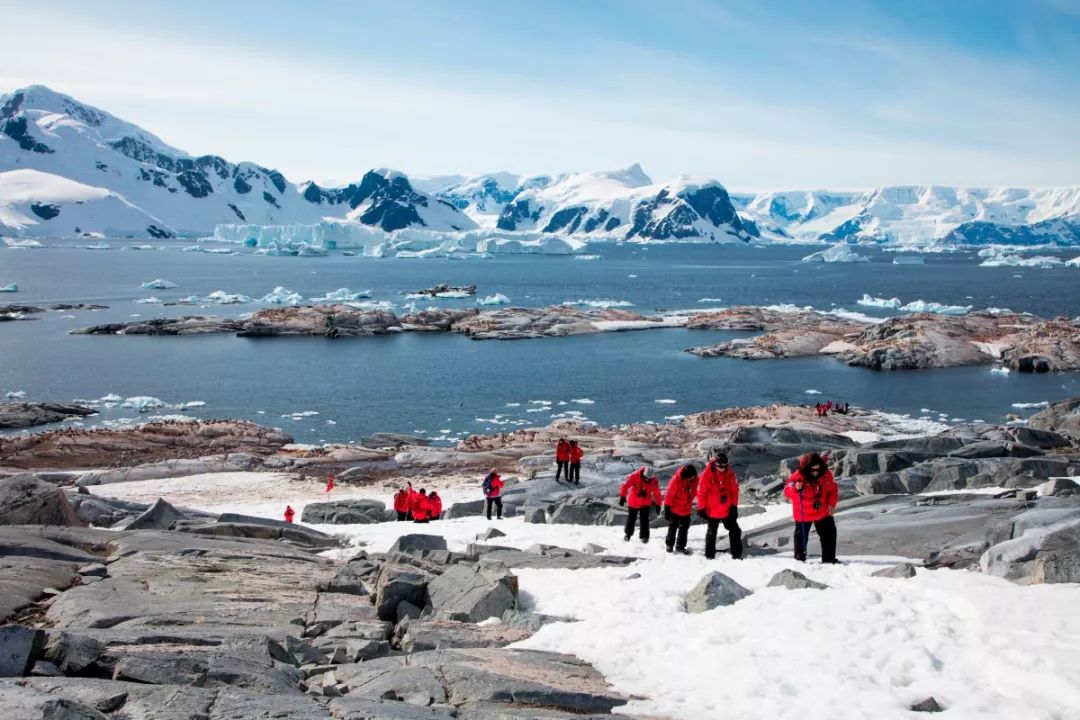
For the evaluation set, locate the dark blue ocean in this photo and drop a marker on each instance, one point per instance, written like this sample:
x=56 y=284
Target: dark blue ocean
x=447 y=385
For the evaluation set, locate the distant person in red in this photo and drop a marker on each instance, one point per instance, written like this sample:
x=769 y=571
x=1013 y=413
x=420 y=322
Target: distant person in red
x=718 y=502
x=421 y=507
x=329 y=482
x=562 y=459
x=493 y=486
x=289 y=513
x=401 y=504
x=576 y=453
x=639 y=492
x=412 y=498
x=813 y=494
x=679 y=507
x=435 y=505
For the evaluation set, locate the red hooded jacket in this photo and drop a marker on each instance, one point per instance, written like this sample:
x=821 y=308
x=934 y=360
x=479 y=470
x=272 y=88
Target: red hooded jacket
x=640 y=491
x=680 y=493
x=576 y=453
x=718 y=491
x=435 y=504
x=562 y=451
x=420 y=507
x=401 y=501
x=816 y=500
x=496 y=487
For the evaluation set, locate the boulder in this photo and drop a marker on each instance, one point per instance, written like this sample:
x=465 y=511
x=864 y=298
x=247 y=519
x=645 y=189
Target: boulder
x=566 y=514
x=535 y=515
x=25 y=500
x=532 y=621
x=794 y=580
x=465 y=509
x=345 y=512
x=593 y=549
x=397 y=583
x=418 y=544
x=1059 y=487
x=903 y=570
x=1038 y=554
x=419 y=635
x=72 y=652
x=22 y=415
x=490 y=534
x=1062 y=417
x=473 y=593
x=64 y=709
x=713 y=591
x=159 y=516
x=20 y=648
x=929 y=705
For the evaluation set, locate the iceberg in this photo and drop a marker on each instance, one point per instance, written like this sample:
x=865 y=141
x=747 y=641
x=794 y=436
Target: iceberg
x=16 y=394
x=9 y=288
x=876 y=302
x=282 y=296
x=598 y=304
x=839 y=253
x=908 y=260
x=1001 y=257
x=148 y=301
x=159 y=284
x=12 y=243
x=496 y=299
x=921 y=306
x=144 y=403
x=97 y=246
x=342 y=295
x=1075 y=262
x=218 y=297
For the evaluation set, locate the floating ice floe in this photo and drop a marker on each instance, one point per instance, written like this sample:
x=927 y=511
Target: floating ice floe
x=599 y=304
x=342 y=295
x=921 y=306
x=836 y=254
x=496 y=299
x=665 y=401
x=146 y=403
x=9 y=288
x=999 y=371
x=16 y=395
x=218 y=297
x=586 y=257
x=148 y=301
x=97 y=246
x=1075 y=262
x=876 y=302
x=583 y=401
x=1007 y=257
x=709 y=300
x=281 y=295
x=22 y=244
x=159 y=284
x=1030 y=405
x=813 y=392
x=908 y=260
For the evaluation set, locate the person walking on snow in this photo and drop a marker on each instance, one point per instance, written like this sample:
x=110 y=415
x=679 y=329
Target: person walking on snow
x=329 y=482
x=639 y=492
x=718 y=502
x=562 y=459
x=421 y=507
x=493 y=486
x=813 y=494
x=289 y=513
x=679 y=507
x=412 y=495
x=435 y=503
x=576 y=453
x=401 y=504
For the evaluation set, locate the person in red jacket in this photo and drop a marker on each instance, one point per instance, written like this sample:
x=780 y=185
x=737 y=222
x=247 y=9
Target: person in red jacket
x=493 y=486
x=421 y=507
x=679 y=507
x=576 y=453
x=401 y=504
x=562 y=459
x=289 y=513
x=435 y=504
x=640 y=492
x=813 y=495
x=718 y=502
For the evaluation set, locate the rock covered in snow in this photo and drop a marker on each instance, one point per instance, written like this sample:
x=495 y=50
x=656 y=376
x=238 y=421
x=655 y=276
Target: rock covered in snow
x=794 y=580
x=713 y=591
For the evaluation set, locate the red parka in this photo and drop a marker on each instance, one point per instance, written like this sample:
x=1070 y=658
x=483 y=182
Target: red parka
x=816 y=500
x=562 y=451
x=289 y=513
x=496 y=487
x=576 y=453
x=680 y=493
x=640 y=491
x=435 y=502
x=401 y=501
x=420 y=507
x=718 y=491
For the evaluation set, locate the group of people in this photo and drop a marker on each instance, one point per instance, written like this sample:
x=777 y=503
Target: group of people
x=811 y=490
x=417 y=505
x=568 y=456
x=823 y=409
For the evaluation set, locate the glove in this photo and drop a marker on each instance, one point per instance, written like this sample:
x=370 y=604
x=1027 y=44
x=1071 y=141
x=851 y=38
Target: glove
x=667 y=513
x=622 y=500
x=701 y=514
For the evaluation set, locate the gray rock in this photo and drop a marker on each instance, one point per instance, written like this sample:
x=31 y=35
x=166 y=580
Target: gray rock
x=490 y=534
x=64 y=709
x=44 y=668
x=1060 y=487
x=465 y=509
x=903 y=570
x=72 y=652
x=358 y=511
x=794 y=580
x=302 y=653
x=929 y=705
x=357 y=708
x=1038 y=554
x=94 y=570
x=416 y=544
x=526 y=620
x=536 y=516
x=713 y=591
x=594 y=549
x=419 y=635
x=22 y=415
x=1062 y=417
x=398 y=583
x=406 y=609
x=159 y=516
x=25 y=500
x=473 y=593
x=566 y=514
x=20 y=648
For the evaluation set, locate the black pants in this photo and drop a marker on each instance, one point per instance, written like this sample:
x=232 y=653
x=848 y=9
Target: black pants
x=402 y=515
x=826 y=530
x=731 y=524
x=677 y=529
x=632 y=517
x=497 y=502
x=562 y=467
x=574 y=474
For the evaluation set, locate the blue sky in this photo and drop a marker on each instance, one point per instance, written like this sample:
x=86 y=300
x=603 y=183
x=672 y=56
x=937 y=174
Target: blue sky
x=760 y=95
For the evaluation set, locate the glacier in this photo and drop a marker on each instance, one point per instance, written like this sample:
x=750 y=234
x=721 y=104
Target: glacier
x=839 y=253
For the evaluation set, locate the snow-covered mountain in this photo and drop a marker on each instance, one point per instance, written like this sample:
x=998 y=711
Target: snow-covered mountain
x=483 y=198
x=921 y=214
x=160 y=191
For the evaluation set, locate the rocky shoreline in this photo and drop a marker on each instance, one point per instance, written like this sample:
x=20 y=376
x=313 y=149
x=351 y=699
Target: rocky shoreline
x=1020 y=342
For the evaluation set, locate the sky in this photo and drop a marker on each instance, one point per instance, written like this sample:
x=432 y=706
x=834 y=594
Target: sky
x=764 y=95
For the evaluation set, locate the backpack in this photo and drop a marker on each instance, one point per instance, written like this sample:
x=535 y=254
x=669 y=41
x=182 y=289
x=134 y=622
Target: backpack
x=488 y=485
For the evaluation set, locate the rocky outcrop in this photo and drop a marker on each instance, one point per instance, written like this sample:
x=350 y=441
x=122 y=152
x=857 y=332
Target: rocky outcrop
x=151 y=442
x=797 y=333
x=1062 y=417
x=25 y=500
x=1042 y=546
x=186 y=325
x=331 y=321
x=23 y=415
x=346 y=512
